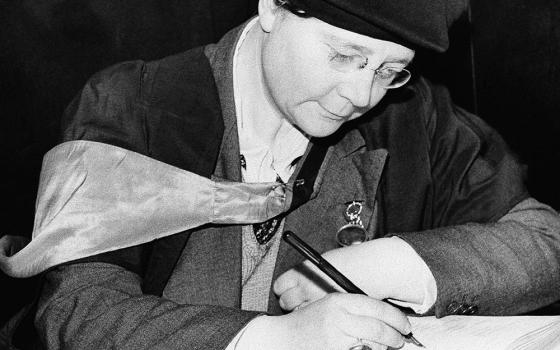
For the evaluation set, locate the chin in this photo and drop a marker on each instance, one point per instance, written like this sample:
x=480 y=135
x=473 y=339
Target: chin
x=316 y=125
x=321 y=132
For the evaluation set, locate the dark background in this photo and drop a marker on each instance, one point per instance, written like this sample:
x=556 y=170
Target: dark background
x=503 y=64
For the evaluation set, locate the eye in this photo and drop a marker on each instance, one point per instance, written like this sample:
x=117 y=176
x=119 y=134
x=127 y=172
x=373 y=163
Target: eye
x=345 y=62
x=387 y=73
x=340 y=58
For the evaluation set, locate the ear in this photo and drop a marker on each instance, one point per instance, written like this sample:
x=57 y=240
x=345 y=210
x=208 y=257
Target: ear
x=268 y=11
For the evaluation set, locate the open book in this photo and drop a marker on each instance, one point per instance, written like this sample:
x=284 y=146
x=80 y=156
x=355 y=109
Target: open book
x=486 y=333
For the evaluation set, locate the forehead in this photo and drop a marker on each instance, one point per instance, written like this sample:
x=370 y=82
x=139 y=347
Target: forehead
x=344 y=39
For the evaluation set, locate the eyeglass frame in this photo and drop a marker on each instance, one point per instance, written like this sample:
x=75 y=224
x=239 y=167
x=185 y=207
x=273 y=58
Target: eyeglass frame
x=392 y=84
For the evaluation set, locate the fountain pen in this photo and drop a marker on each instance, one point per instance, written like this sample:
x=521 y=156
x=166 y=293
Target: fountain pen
x=316 y=258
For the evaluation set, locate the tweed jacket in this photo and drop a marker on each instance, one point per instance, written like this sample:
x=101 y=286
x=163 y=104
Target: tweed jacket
x=440 y=177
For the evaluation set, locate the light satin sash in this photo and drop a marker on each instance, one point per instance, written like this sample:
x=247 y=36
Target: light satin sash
x=95 y=198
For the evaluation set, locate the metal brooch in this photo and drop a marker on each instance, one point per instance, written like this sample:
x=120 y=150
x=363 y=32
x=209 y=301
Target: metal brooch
x=353 y=232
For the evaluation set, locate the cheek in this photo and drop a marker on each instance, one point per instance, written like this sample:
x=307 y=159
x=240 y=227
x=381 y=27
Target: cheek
x=311 y=72
x=296 y=75
x=305 y=80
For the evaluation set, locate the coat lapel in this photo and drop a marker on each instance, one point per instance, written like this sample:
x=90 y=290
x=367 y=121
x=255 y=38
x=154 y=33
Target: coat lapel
x=213 y=251
x=348 y=173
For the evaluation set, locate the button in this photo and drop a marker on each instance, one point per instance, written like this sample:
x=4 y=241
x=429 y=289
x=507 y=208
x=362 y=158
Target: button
x=471 y=310
x=462 y=309
x=453 y=307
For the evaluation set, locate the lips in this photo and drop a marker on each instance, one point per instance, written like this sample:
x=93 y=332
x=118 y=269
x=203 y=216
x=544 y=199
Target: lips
x=335 y=116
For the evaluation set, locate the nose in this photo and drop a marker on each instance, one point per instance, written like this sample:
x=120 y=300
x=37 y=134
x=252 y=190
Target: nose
x=358 y=88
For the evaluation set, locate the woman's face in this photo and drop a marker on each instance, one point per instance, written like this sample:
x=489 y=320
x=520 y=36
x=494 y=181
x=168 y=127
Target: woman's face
x=315 y=73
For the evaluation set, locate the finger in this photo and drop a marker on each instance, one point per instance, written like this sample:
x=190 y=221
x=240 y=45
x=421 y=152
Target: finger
x=371 y=329
x=287 y=280
x=292 y=298
x=365 y=306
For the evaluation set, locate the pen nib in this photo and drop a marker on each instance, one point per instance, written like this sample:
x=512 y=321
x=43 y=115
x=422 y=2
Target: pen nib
x=413 y=340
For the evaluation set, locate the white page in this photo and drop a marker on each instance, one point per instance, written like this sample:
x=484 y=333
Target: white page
x=486 y=332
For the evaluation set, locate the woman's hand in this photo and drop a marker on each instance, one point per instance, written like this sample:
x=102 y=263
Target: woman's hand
x=335 y=321
x=382 y=268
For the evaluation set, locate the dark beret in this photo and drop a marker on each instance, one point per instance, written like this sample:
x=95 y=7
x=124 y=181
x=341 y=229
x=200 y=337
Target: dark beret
x=412 y=23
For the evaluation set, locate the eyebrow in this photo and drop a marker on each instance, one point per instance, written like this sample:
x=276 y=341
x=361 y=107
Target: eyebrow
x=362 y=49
x=346 y=44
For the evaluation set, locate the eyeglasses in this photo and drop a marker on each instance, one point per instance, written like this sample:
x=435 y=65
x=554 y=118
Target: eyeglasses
x=385 y=76
x=389 y=77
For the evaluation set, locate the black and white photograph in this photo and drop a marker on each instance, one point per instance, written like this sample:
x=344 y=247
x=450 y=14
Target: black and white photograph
x=280 y=174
